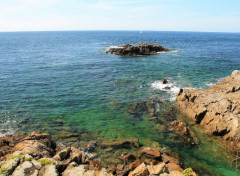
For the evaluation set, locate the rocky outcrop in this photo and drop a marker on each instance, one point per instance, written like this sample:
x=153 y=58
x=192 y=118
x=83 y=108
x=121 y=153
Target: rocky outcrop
x=8 y=142
x=37 y=144
x=38 y=155
x=137 y=50
x=216 y=108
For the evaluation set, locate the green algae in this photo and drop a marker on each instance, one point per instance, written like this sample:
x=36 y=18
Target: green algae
x=45 y=161
x=188 y=172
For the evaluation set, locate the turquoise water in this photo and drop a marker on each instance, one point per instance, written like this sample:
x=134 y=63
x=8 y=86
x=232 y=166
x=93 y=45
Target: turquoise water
x=64 y=81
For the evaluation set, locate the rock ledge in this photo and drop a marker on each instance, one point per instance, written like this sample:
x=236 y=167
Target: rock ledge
x=216 y=108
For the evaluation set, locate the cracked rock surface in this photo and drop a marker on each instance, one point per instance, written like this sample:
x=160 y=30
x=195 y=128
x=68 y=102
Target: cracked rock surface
x=217 y=108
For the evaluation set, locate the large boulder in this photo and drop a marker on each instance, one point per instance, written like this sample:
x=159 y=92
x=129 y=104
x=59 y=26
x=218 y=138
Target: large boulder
x=137 y=50
x=141 y=170
x=216 y=108
x=26 y=168
x=37 y=144
x=8 y=142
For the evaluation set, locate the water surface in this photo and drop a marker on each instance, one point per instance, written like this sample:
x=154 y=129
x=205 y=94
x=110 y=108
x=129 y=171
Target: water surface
x=64 y=81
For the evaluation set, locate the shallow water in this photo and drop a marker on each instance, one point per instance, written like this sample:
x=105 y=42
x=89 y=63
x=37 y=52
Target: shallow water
x=64 y=81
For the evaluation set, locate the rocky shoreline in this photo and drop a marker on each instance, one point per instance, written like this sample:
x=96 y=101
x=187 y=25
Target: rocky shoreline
x=217 y=109
x=137 y=50
x=38 y=154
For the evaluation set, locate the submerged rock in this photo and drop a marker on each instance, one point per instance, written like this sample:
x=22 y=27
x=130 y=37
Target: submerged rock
x=216 y=108
x=127 y=143
x=137 y=50
x=151 y=152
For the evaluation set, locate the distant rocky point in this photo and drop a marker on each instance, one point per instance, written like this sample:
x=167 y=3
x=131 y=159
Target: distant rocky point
x=137 y=50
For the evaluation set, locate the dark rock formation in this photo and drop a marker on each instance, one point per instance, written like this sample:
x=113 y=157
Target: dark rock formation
x=137 y=50
x=216 y=108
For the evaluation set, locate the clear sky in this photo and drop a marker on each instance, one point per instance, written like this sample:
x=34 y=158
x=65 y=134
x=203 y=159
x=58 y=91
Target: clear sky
x=161 y=15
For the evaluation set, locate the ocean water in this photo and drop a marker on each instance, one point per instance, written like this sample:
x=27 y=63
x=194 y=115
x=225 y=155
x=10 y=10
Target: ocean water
x=64 y=81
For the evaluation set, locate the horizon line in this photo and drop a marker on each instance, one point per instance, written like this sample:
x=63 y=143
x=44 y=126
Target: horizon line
x=125 y=30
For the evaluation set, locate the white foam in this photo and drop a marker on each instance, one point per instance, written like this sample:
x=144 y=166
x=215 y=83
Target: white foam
x=6 y=128
x=114 y=47
x=169 y=87
x=171 y=51
x=210 y=84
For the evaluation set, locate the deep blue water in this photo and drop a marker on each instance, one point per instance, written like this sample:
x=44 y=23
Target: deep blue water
x=47 y=76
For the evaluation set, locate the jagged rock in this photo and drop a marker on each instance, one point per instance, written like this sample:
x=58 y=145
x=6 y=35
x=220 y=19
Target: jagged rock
x=141 y=170
x=168 y=159
x=26 y=168
x=62 y=154
x=180 y=127
x=48 y=170
x=9 y=166
x=37 y=164
x=121 y=144
x=113 y=170
x=95 y=165
x=216 y=108
x=7 y=143
x=137 y=50
x=84 y=159
x=120 y=167
x=128 y=157
x=156 y=169
x=62 y=165
x=76 y=155
x=37 y=145
x=130 y=167
x=173 y=167
x=88 y=146
x=151 y=152
x=164 y=81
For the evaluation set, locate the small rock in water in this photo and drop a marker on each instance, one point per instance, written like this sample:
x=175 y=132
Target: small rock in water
x=151 y=152
x=137 y=50
x=164 y=81
x=128 y=157
x=167 y=88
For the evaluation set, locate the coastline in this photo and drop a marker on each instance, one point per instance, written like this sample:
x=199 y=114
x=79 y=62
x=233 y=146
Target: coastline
x=103 y=156
x=38 y=154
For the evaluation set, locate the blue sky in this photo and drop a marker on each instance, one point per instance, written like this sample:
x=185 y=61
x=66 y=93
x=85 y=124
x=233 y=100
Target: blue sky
x=160 y=15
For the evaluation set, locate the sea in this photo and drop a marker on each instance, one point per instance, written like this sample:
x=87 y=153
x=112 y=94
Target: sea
x=64 y=81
